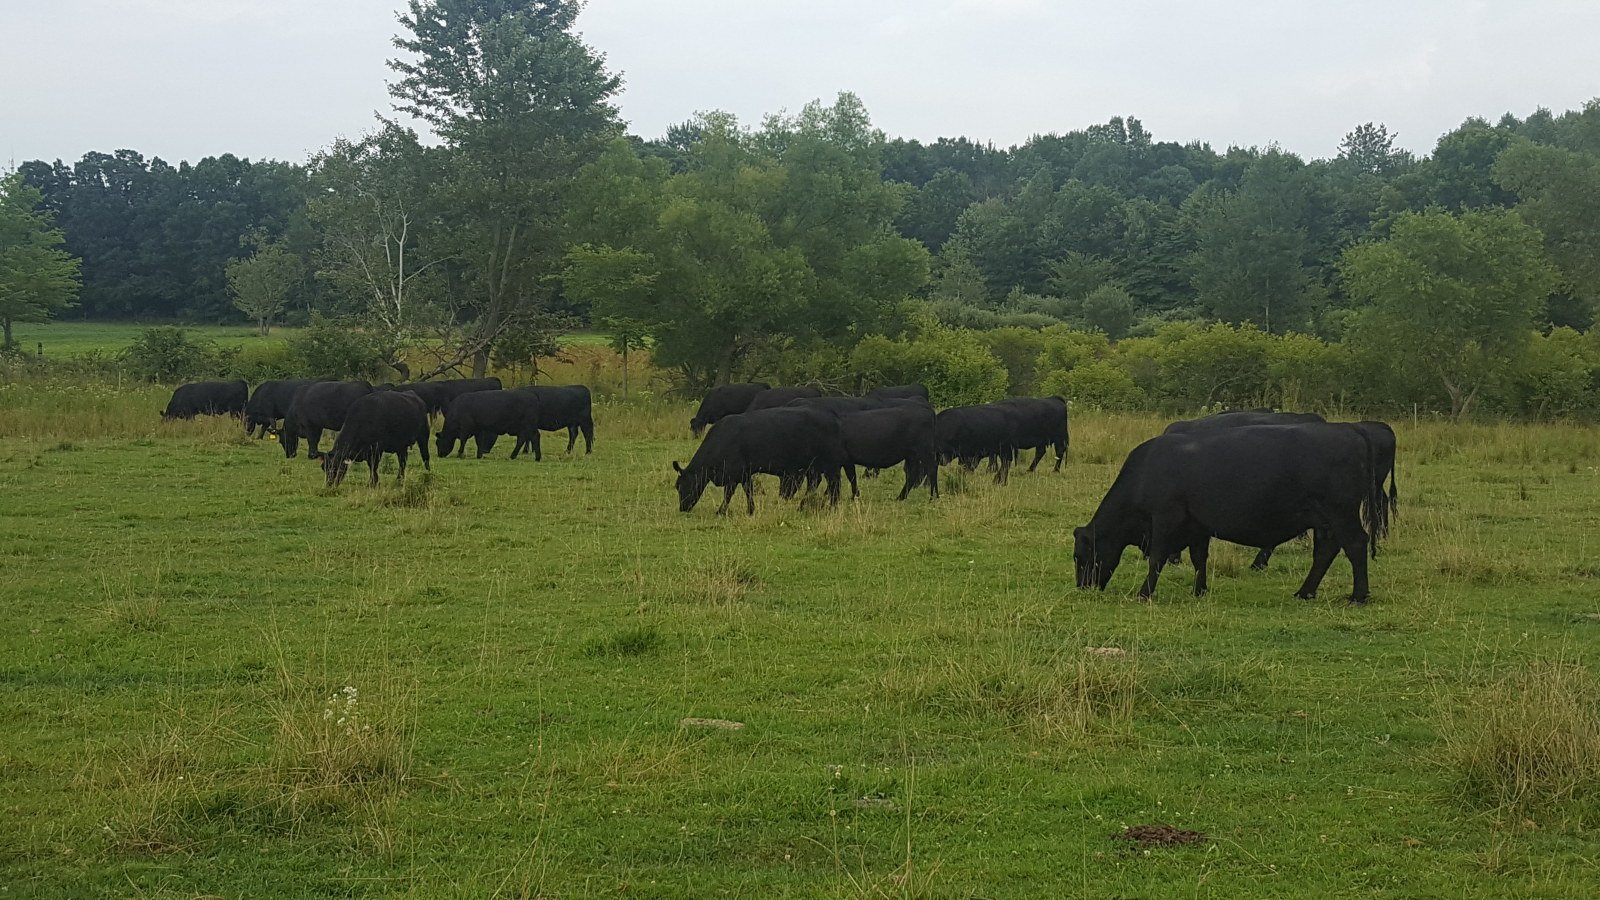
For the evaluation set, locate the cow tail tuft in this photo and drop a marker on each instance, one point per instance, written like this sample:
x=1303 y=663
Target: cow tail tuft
x=1375 y=509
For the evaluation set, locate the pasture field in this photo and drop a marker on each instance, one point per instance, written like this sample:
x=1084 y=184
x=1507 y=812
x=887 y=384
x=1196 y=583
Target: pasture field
x=218 y=678
x=68 y=338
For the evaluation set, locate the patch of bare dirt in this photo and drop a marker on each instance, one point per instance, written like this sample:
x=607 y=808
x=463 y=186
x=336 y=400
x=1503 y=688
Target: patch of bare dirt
x=1159 y=836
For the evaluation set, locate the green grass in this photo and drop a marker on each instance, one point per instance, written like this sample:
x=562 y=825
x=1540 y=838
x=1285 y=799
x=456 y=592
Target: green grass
x=67 y=338
x=922 y=713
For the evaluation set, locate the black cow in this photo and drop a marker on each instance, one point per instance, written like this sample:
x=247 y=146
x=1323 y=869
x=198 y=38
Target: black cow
x=789 y=442
x=270 y=404
x=318 y=407
x=379 y=422
x=437 y=395
x=1382 y=438
x=566 y=406
x=900 y=392
x=843 y=405
x=780 y=396
x=971 y=434
x=1038 y=423
x=485 y=415
x=899 y=432
x=1256 y=485
x=207 y=398
x=723 y=401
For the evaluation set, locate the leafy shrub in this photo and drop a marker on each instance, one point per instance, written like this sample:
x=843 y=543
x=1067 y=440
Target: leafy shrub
x=1018 y=350
x=1098 y=385
x=256 y=364
x=327 y=349
x=1110 y=309
x=1304 y=372
x=953 y=362
x=1558 y=376
x=168 y=354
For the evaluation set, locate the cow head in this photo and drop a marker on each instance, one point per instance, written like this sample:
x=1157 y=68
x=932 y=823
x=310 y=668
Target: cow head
x=695 y=427
x=334 y=467
x=445 y=442
x=691 y=484
x=1094 y=558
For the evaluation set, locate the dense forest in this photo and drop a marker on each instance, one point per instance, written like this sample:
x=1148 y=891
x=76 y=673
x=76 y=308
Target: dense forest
x=813 y=243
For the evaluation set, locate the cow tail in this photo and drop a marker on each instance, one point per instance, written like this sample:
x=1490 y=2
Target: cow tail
x=1394 y=496
x=1375 y=509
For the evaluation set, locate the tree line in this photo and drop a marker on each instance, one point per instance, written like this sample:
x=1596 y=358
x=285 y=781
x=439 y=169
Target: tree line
x=737 y=250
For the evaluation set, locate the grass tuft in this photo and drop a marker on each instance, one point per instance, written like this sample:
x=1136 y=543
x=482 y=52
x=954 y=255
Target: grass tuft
x=642 y=641
x=1528 y=740
x=721 y=582
x=1069 y=697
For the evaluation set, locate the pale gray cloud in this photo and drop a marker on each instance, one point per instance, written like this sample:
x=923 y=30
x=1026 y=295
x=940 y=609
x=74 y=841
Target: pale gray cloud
x=187 y=78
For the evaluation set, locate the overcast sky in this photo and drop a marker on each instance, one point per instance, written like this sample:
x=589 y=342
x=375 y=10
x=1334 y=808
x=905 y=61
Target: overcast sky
x=182 y=79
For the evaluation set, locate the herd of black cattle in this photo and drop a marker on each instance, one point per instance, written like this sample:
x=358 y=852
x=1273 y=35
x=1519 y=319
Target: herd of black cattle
x=1257 y=478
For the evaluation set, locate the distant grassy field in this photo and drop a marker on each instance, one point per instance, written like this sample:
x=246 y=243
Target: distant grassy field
x=77 y=338
x=219 y=679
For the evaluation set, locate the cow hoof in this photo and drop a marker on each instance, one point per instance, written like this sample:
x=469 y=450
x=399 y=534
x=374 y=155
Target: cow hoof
x=1255 y=567
x=1201 y=592
x=1358 y=601
x=1302 y=595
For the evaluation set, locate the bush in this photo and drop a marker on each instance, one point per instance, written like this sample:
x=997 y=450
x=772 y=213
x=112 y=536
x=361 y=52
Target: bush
x=1558 y=377
x=256 y=364
x=327 y=349
x=1303 y=372
x=1097 y=385
x=1018 y=350
x=954 y=363
x=168 y=354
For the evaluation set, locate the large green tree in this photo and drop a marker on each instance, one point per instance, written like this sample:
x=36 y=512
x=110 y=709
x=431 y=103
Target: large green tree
x=262 y=283
x=521 y=104
x=1452 y=296
x=771 y=237
x=1559 y=193
x=37 y=277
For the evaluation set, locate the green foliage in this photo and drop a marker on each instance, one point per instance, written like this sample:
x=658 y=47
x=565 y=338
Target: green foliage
x=1558 y=376
x=1108 y=308
x=1559 y=193
x=167 y=354
x=37 y=277
x=262 y=283
x=1096 y=385
x=331 y=349
x=1453 y=295
x=257 y=363
x=953 y=362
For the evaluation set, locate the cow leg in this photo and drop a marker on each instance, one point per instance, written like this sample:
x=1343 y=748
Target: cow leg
x=855 y=493
x=538 y=454
x=1004 y=475
x=1038 y=454
x=588 y=436
x=1165 y=540
x=516 y=446
x=572 y=438
x=372 y=467
x=749 y=495
x=1199 y=551
x=727 y=497
x=401 y=456
x=833 y=487
x=422 y=448
x=312 y=437
x=1323 y=549
x=1260 y=564
x=911 y=479
x=1353 y=541
x=1061 y=454
x=930 y=471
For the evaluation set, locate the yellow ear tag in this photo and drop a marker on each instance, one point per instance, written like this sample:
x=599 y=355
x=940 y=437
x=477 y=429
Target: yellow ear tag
x=272 y=437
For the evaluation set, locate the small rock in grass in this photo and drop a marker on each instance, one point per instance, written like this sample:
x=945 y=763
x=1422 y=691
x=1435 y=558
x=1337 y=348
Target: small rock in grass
x=724 y=724
x=1107 y=651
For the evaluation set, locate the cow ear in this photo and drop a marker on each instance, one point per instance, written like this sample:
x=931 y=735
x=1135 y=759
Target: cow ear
x=1080 y=532
x=677 y=468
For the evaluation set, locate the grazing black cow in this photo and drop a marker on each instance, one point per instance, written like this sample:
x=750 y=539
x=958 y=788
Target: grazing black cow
x=270 y=404
x=379 y=422
x=566 y=406
x=1256 y=485
x=843 y=405
x=1382 y=438
x=1038 y=423
x=880 y=438
x=971 y=434
x=318 y=407
x=900 y=392
x=723 y=401
x=789 y=442
x=485 y=415
x=437 y=395
x=207 y=398
x=780 y=396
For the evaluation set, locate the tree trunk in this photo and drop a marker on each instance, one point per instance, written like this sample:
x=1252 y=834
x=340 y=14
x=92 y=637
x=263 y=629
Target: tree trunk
x=725 y=363
x=11 y=342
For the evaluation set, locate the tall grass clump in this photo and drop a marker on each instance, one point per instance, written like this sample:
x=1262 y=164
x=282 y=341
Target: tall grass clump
x=1529 y=739
x=335 y=753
